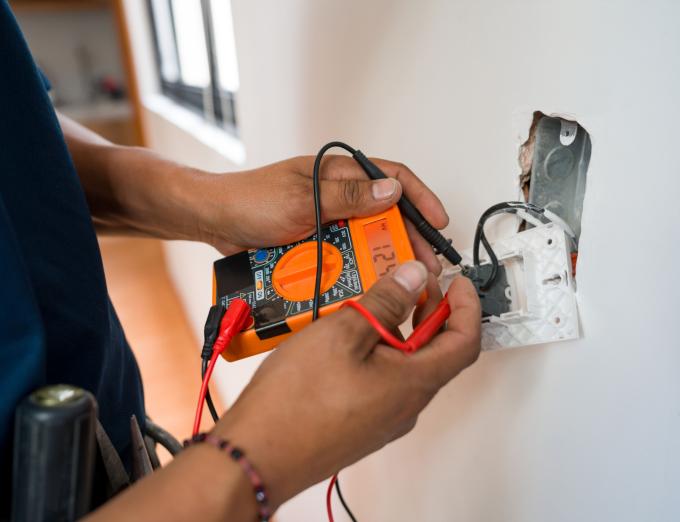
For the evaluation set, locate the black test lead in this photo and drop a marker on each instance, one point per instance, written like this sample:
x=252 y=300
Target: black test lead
x=440 y=244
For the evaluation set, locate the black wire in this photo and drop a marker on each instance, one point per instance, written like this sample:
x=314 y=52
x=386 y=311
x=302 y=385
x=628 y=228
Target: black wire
x=211 y=331
x=342 y=500
x=506 y=207
x=319 y=265
x=162 y=437
x=317 y=215
x=494 y=262
x=208 y=397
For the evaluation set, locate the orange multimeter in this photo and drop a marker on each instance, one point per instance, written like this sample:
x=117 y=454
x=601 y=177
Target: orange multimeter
x=278 y=282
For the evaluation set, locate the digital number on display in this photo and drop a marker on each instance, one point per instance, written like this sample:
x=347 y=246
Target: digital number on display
x=381 y=247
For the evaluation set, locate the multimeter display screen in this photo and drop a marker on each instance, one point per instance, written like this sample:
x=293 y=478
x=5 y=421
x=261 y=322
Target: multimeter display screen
x=381 y=247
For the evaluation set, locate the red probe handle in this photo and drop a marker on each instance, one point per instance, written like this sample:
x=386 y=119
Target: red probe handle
x=235 y=319
x=421 y=334
x=429 y=326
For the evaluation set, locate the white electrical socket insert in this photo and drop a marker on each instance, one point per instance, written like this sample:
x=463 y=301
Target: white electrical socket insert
x=541 y=289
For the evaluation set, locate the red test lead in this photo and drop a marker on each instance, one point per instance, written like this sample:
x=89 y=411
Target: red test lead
x=422 y=333
x=235 y=319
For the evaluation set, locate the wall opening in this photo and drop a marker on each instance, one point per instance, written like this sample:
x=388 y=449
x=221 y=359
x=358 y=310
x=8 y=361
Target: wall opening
x=554 y=163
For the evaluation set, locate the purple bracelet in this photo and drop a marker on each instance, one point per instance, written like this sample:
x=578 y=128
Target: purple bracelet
x=239 y=457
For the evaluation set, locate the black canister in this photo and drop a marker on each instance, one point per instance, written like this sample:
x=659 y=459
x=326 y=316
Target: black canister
x=54 y=454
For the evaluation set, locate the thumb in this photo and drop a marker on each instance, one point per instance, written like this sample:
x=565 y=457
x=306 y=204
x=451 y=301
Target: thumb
x=356 y=198
x=390 y=301
x=458 y=346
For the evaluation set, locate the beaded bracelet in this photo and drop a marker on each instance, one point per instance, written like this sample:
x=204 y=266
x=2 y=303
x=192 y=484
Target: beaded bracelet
x=239 y=457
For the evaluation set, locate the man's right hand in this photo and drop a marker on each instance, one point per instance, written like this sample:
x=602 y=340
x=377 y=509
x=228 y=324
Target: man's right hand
x=324 y=399
x=333 y=393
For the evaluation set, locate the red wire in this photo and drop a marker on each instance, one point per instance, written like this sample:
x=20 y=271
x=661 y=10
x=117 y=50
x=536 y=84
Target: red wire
x=421 y=334
x=236 y=317
x=234 y=320
x=387 y=336
x=329 y=491
x=204 y=391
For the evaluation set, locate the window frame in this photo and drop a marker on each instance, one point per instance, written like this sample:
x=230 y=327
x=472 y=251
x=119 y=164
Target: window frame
x=213 y=103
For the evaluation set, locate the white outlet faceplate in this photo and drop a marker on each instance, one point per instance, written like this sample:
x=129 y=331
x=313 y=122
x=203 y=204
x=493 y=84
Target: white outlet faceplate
x=541 y=290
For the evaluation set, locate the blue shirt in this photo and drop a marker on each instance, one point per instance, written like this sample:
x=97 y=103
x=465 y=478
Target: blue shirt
x=57 y=324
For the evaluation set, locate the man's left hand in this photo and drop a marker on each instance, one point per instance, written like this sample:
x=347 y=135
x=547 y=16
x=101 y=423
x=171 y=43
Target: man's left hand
x=274 y=205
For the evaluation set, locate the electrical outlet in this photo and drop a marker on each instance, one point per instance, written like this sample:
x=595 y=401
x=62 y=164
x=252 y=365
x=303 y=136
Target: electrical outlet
x=538 y=287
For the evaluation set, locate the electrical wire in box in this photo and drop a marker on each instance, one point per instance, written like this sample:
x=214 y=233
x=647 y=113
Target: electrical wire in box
x=526 y=281
x=530 y=213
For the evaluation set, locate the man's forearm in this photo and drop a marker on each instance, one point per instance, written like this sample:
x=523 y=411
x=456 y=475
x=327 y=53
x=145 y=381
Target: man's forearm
x=132 y=190
x=200 y=484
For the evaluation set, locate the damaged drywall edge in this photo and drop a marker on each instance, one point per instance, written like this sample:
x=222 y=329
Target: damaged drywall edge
x=525 y=122
x=525 y=157
x=522 y=117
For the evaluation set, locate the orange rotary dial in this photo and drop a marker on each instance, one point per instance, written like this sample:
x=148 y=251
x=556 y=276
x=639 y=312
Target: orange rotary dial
x=294 y=274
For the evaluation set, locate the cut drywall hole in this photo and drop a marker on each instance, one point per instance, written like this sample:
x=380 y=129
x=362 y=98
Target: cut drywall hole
x=554 y=162
x=531 y=299
x=526 y=156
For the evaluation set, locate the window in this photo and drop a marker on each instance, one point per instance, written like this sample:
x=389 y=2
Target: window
x=196 y=56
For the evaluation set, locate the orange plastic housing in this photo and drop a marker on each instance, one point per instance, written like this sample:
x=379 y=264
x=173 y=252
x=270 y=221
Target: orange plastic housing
x=380 y=244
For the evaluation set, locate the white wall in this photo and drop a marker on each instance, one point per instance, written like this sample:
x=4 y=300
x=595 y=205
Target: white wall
x=586 y=430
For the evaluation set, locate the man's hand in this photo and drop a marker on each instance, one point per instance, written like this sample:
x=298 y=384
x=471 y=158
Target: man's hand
x=274 y=205
x=330 y=395
x=134 y=191
x=324 y=399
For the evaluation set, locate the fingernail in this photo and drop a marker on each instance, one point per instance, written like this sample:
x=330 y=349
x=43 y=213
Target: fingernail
x=412 y=275
x=384 y=189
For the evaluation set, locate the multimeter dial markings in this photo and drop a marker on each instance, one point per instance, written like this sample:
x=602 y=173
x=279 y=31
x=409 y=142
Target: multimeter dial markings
x=271 y=308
